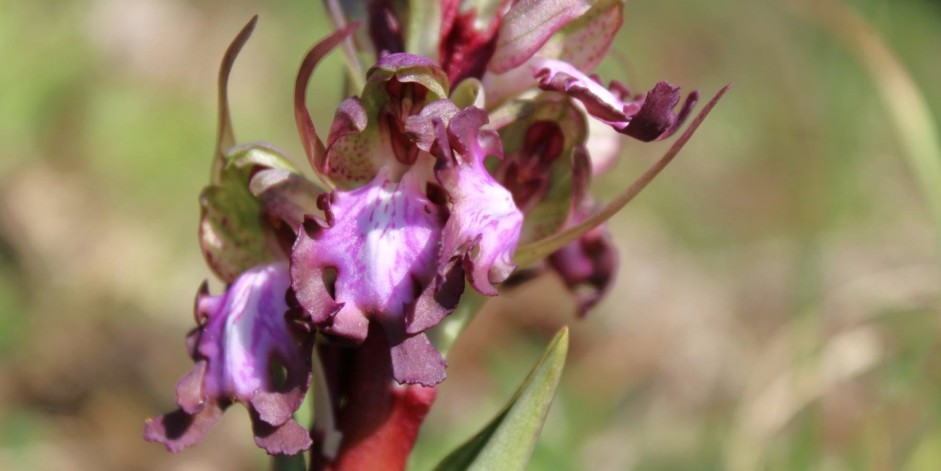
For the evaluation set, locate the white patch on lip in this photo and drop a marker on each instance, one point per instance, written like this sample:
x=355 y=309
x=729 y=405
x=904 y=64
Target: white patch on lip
x=383 y=238
x=253 y=330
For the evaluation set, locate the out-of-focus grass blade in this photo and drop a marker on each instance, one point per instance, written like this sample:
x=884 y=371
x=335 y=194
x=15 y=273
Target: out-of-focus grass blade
x=908 y=110
x=507 y=442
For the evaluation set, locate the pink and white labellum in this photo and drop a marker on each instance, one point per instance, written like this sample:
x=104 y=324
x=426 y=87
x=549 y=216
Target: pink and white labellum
x=414 y=211
x=245 y=350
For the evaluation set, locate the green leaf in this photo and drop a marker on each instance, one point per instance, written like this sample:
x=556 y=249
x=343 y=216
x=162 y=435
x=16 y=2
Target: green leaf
x=508 y=441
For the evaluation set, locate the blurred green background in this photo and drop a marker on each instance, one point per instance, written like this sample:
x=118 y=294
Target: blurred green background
x=776 y=308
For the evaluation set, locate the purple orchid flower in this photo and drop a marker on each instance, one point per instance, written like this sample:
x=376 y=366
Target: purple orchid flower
x=245 y=350
x=413 y=211
x=409 y=211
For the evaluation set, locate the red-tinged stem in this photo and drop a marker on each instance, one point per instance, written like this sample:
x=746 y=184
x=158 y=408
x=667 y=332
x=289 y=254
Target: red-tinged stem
x=379 y=419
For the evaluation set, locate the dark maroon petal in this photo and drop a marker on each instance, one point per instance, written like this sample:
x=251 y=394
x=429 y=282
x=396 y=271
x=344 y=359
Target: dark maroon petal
x=288 y=438
x=464 y=50
x=278 y=404
x=656 y=118
x=385 y=28
x=648 y=117
x=178 y=430
x=587 y=267
x=439 y=299
x=414 y=359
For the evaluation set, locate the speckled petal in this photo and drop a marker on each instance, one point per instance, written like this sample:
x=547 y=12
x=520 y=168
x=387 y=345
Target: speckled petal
x=528 y=25
x=313 y=146
x=485 y=223
x=583 y=42
x=368 y=131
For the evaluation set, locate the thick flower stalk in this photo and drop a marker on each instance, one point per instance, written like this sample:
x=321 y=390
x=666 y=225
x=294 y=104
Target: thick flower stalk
x=465 y=153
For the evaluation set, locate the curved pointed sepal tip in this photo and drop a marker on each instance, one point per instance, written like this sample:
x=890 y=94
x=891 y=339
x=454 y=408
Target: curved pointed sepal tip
x=507 y=442
x=313 y=146
x=540 y=249
x=225 y=136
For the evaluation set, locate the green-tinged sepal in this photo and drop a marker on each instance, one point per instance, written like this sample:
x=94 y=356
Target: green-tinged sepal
x=507 y=442
x=230 y=227
x=469 y=92
x=539 y=249
x=540 y=144
x=258 y=155
x=258 y=186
